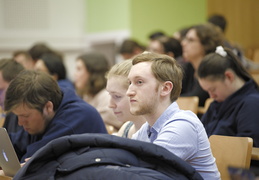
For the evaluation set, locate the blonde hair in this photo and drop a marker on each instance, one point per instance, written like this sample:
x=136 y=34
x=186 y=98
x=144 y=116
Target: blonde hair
x=120 y=69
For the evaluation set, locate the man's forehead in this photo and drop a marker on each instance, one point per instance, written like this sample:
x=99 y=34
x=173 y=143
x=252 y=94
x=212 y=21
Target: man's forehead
x=21 y=108
x=141 y=69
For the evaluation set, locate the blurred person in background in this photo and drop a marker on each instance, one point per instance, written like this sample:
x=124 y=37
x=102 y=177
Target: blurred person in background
x=90 y=83
x=200 y=40
x=166 y=45
x=130 y=48
x=9 y=69
x=53 y=64
x=24 y=58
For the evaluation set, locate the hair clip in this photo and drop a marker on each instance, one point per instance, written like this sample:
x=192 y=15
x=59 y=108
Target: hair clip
x=220 y=50
x=145 y=52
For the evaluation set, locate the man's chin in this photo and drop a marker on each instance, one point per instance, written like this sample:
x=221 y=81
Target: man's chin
x=29 y=131
x=136 y=112
x=26 y=129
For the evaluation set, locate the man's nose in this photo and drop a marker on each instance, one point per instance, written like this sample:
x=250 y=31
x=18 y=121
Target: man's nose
x=21 y=121
x=130 y=91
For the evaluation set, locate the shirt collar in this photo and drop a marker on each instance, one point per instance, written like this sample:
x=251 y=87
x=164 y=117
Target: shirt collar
x=167 y=114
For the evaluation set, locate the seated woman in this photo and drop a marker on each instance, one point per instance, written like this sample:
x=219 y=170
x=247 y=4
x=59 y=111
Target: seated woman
x=200 y=40
x=117 y=86
x=52 y=64
x=166 y=45
x=234 y=111
x=90 y=82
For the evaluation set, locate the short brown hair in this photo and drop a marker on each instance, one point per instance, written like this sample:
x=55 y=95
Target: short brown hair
x=33 y=89
x=164 y=68
x=209 y=35
x=10 y=69
x=97 y=65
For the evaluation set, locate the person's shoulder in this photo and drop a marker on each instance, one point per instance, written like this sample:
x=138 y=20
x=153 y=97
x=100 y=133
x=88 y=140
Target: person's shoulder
x=141 y=131
x=126 y=124
x=251 y=99
x=123 y=128
x=184 y=113
x=186 y=116
x=249 y=93
x=73 y=102
x=65 y=83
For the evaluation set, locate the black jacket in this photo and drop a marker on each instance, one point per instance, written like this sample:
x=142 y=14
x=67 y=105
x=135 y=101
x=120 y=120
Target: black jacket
x=104 y=156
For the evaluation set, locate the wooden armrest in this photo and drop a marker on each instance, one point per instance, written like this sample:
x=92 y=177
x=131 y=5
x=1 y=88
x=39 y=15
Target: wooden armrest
x=255 y=153
x=202 y=110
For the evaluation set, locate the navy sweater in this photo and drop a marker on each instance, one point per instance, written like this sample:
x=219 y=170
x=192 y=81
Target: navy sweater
x=238 y=115
x=74 y=116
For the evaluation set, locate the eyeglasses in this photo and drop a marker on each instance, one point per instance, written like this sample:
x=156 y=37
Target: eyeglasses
x=190 y=40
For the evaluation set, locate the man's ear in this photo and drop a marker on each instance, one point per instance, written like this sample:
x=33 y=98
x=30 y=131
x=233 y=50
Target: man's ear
x=167 y=87
x=171 y=54
x=55 y=76
x=48 y=108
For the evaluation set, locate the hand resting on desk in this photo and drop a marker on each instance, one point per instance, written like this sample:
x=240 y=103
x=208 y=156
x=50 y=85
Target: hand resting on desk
x=22 y=164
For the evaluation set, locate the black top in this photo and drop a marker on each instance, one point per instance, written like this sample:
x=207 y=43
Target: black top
x=191 y=86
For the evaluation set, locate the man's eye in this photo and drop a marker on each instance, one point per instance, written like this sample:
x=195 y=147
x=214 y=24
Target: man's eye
x=139 y=82
x=24 y=116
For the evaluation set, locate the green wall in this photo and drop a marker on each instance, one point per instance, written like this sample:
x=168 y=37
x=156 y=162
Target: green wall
x=166 y=15
x=107 y=15
x=141 y=17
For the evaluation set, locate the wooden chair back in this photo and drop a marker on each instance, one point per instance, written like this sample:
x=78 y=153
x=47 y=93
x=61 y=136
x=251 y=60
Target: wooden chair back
x=255 y=75
x=5 y=178
x=189 y=103
x=256 y=55
x=231 y=151
x=202 y=110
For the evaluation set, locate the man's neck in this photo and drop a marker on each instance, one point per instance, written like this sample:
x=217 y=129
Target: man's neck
x=152 y=117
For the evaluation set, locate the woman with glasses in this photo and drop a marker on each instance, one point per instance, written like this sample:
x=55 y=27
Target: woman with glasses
x=200 y=40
